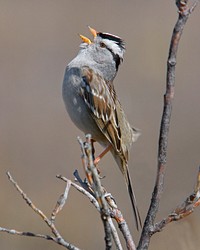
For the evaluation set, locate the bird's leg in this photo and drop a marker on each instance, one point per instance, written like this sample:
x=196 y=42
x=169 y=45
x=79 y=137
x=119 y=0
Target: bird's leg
x=98 y=158
x=93 y=155
x=93 y=149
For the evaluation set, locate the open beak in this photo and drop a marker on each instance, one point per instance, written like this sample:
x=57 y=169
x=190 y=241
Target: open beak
x=87 y=40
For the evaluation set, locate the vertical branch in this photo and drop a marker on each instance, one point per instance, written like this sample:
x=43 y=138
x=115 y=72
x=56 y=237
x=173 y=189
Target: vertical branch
x=184 y=12
x=99 y=194
x=95 y=183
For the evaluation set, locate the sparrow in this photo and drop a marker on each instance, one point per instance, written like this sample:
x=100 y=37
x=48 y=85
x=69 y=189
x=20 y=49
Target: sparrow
x=92 y=103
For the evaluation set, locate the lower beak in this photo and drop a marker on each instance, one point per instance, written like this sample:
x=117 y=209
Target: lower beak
x=85 y=39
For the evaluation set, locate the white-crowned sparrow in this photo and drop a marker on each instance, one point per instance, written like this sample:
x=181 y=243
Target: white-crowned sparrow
x=92 y=103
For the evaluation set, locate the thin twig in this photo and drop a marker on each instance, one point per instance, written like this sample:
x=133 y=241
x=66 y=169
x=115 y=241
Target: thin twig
x=184 y=209
x=96 y=204
x=184 y=12
x=61 y=201
x=99 y=193
x=30 y=234
x=123 y=226
x=95 y=183
x=58 y=238
x=84 y=183
x=83 y=191
x=115 y=235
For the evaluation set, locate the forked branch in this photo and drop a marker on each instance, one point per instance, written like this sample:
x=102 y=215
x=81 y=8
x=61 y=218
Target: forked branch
x=182 y=210
x=57 y=238
x=184 y=12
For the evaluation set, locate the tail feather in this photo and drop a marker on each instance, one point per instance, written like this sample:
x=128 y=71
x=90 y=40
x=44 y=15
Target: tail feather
x=122 y=162
x=133 y=199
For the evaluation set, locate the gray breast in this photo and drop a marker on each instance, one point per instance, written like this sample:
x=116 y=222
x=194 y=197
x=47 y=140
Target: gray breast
x=75 y=104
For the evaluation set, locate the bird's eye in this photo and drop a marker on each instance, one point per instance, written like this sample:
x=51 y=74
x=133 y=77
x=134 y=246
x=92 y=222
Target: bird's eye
x=102 y=45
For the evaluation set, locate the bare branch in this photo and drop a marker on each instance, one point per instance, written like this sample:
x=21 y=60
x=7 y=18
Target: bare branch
x=115 y=235
x=95 y=183
x=123 y=226
x=83 y=191
x=20 y=233
x=83 y=183
x=183 y=210
x=96 y=204
x=58 y=238
x=61 y=201
x=184 y=13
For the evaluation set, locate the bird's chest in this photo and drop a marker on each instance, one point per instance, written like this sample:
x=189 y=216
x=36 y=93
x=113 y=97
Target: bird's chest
x=79 y=111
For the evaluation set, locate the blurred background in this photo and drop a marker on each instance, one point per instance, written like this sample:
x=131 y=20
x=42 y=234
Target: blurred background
x=38 y=140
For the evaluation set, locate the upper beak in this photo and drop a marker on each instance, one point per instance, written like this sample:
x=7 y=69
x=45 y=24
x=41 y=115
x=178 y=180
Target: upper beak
x=93 y=31
x=85 y=39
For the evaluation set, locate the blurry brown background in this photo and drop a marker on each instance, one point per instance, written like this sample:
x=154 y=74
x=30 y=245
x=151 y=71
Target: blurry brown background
x=38 y=140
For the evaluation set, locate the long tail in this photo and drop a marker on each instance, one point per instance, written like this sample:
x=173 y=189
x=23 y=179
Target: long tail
x=122 y=162
x=132 y=198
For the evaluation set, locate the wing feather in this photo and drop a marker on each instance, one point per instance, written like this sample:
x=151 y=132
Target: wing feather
x=99 y=96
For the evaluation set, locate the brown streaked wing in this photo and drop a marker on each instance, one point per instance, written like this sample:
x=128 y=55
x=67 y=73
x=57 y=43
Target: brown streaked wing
x=100 y=98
